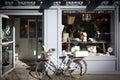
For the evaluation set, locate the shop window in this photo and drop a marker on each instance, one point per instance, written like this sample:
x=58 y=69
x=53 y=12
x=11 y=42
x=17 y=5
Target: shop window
x=92 y=31
x=28 y=28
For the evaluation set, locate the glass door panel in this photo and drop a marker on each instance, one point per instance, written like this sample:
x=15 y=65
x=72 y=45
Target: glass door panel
x=7 y=44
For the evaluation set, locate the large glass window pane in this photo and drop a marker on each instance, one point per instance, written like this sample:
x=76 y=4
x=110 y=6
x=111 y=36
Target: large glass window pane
x=23 y=28
x=7 y=30
x=92 y=31
x=32 y=28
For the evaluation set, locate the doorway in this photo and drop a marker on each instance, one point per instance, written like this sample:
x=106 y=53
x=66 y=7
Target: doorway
x=28 y=33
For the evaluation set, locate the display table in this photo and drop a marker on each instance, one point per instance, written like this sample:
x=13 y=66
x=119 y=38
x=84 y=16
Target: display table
x=95 y=43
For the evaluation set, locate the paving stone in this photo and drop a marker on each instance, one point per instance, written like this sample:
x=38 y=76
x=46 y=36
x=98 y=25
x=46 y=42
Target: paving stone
x=22 y=72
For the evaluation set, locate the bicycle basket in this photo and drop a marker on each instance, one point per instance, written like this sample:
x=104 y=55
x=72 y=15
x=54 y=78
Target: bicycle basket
x=46 y=56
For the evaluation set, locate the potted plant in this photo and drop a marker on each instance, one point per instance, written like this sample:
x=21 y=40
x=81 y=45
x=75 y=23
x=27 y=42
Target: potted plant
x=5 y=59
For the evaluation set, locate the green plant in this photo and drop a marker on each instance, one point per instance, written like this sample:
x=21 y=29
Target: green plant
x=5 y=56
x=41 y=52
x=4 y=39
x=83 y=49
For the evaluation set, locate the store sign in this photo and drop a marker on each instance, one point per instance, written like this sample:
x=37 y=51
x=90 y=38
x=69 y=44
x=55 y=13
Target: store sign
x=20 y=3
x=43 y=2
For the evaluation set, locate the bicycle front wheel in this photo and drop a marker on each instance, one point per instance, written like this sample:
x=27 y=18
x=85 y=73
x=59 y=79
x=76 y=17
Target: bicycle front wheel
x=50 y=69
x=45 y=70
x=78 y=68
x=39 y=70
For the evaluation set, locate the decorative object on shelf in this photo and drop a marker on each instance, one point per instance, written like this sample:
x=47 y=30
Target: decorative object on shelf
x=98 y=34
x=63 y=27
x=5 y=33
x=77 y=52
x=86 y=17
x=109 y=50
x=92 y=39
x=83 y=36
x=92 y=49
x=75 y=48
x=70 y=20
x=65 y=37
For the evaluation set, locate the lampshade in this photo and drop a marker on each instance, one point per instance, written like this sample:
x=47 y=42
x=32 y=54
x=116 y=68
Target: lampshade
x=70 y=20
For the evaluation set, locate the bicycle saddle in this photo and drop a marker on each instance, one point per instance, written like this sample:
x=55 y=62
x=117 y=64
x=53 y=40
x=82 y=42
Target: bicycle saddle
x=62 y=57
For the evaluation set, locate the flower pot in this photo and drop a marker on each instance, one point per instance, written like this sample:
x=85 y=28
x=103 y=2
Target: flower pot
x=5 y=68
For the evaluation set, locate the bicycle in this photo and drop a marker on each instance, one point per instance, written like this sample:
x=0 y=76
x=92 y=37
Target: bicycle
x=67 y=66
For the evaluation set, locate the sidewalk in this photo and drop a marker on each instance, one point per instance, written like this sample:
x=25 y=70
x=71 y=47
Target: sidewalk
x=21 y=72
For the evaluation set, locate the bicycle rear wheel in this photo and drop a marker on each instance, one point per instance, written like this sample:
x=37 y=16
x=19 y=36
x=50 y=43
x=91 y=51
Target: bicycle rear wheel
x=78 y=68
x=50 y=69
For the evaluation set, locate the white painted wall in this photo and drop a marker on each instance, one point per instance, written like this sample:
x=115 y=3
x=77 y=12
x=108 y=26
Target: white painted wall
x=51 y=29
x=101 y=64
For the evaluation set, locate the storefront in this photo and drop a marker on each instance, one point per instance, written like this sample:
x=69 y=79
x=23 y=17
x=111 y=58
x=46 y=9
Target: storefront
x=94 y=30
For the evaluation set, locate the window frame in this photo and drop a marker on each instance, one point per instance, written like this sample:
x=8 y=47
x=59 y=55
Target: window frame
x=105 y=8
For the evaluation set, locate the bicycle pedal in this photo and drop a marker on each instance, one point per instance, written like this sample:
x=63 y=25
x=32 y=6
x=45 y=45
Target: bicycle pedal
x=58 y=74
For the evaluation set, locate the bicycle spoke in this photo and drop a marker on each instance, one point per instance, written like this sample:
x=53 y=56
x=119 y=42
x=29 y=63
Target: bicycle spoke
x=78 y=68
x=46 y=70
x=51 y=69
x=39 y=71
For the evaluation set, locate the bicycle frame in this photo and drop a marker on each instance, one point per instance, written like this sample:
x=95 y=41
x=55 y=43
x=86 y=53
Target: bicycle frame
x=57 y=62
x=66 y=66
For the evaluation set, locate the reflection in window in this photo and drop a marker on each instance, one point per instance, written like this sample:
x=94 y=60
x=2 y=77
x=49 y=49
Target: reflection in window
x=23 y=28
x=32 y=29
x=28 y=28
x=7 y=29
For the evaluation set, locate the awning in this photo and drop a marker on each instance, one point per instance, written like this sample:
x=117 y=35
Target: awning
x=91 y=4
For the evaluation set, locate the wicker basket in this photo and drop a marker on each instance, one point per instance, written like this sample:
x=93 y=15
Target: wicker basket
x=46 y=56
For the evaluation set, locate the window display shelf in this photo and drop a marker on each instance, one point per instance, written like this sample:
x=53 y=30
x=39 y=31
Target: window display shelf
x=95 y=35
